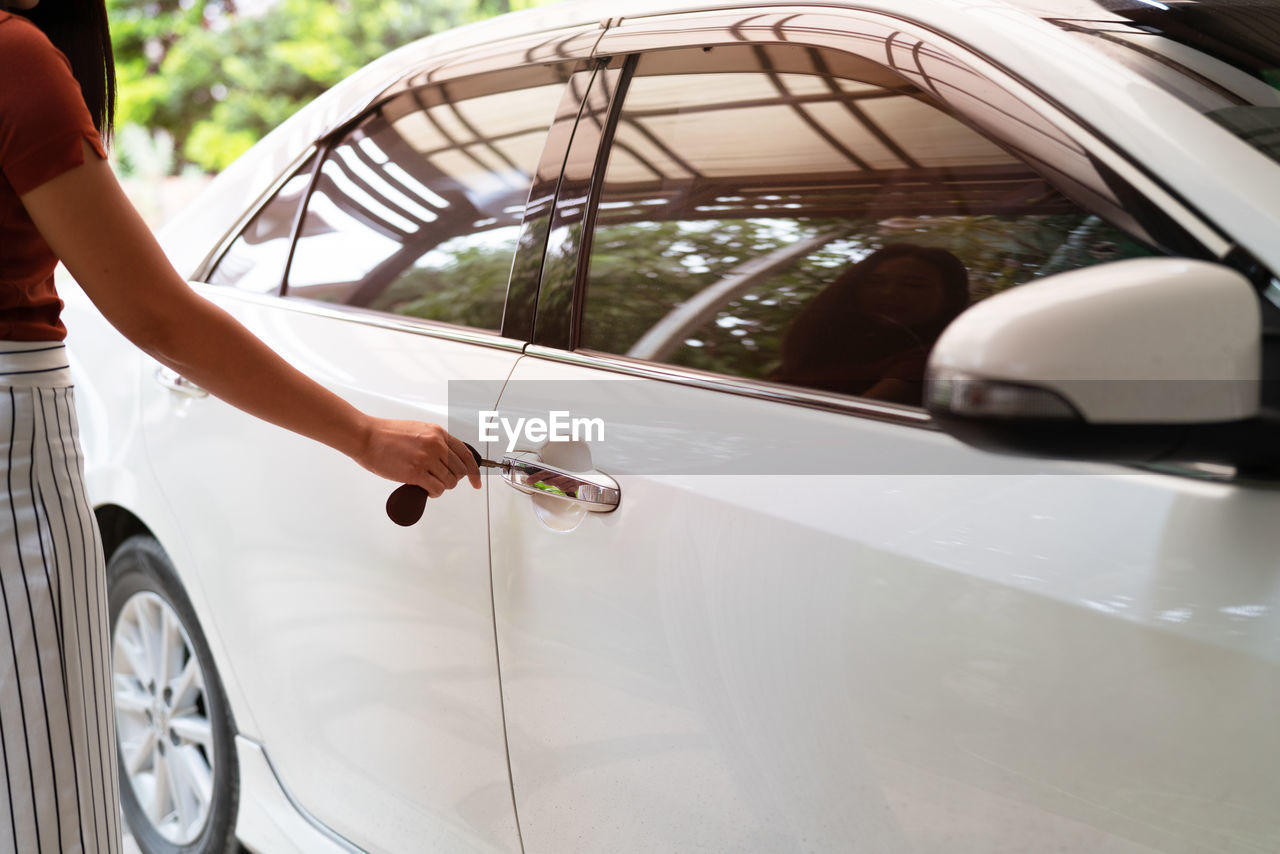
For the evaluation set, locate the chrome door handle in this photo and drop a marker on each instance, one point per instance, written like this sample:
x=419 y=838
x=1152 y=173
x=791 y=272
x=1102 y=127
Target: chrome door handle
x=176 y=382
x=592 y=491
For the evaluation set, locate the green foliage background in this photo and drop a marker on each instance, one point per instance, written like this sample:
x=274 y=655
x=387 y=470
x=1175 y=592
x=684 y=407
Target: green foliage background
x=211 y=77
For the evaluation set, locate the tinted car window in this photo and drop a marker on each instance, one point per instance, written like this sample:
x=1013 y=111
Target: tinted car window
x=748 y=198
x=417 y=210
x=255 y=260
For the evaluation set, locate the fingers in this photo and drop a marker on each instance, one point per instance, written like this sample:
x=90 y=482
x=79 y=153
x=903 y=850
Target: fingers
x=470 y=468
x=448 y=461
x=420 y=453
x=443 y=467
x=434 y=487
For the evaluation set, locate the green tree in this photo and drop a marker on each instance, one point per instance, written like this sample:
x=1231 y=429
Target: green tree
x=215 y=77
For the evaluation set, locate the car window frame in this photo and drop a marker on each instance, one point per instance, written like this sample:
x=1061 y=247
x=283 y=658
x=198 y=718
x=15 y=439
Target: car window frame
x=215 y=257
x=570 y=45
x=664 y=32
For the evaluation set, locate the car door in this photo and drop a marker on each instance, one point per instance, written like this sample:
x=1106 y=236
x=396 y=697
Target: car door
x=812 y=622
x=365 y=651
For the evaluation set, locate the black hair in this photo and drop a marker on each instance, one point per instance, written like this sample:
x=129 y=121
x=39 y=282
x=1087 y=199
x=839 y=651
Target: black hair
x=954 y=277
x=79 y=29
x=829 y=312
x=830 y=344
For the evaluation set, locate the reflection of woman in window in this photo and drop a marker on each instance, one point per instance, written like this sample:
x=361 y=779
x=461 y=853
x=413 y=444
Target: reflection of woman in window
x=869 y=333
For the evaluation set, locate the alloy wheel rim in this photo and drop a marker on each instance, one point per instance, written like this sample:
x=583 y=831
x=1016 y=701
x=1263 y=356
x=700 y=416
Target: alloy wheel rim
x=163 y=729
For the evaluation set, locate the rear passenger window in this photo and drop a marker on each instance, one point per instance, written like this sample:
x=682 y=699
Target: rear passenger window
x=417 y=210
x=255 y=260
x=813 y=218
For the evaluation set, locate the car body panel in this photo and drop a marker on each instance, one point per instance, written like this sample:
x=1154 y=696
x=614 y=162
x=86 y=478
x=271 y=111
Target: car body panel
x=268 y=819
x=377 y=644
x=957 y=652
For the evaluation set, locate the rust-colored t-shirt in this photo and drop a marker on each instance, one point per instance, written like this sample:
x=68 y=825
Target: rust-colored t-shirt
x=43 y=118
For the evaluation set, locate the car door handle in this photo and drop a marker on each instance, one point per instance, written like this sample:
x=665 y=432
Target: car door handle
x=592 y=491
x=176 y=382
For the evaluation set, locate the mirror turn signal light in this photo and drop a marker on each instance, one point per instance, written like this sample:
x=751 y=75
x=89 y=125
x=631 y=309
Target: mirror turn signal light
x=970 y=397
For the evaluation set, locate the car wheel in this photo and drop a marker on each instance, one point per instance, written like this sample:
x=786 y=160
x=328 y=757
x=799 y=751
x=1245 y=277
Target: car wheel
x=179 y=782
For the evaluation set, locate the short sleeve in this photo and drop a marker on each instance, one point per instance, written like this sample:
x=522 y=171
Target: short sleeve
x=43 y=117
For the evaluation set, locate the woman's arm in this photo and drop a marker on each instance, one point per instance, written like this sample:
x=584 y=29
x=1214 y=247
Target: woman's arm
x=94 y=229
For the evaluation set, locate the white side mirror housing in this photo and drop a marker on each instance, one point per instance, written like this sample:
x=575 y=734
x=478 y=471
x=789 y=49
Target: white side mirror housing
x=1157 y=341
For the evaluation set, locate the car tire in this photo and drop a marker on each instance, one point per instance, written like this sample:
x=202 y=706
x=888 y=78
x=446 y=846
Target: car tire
x=173 y=728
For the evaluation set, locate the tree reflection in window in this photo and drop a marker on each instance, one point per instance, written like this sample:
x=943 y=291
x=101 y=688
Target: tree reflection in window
x=744 y=181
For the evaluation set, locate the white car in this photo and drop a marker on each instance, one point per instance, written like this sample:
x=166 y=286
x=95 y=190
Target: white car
x=743 y=591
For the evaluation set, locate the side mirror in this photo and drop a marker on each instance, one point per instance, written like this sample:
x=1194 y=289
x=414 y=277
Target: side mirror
x=1136 y=361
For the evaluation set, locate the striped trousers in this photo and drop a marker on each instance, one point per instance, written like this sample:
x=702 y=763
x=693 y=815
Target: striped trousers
x=58 y=786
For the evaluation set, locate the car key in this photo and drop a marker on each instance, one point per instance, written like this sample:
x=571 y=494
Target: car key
x=406 y=504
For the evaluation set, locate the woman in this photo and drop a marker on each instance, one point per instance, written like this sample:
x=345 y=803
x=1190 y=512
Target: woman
x=60 y=200
x=869 y=333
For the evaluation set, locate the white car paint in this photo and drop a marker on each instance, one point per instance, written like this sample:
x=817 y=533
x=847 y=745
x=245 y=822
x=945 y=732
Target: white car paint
x=989 y=655
x=960 y=652
x=1196 y=321
x=370 y=648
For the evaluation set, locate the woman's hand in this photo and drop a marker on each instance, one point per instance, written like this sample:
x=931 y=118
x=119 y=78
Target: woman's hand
x=419 y=453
